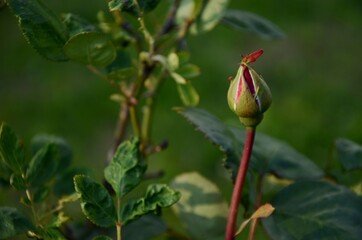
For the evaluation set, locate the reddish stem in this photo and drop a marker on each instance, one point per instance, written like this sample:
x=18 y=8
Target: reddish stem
x=239 y=183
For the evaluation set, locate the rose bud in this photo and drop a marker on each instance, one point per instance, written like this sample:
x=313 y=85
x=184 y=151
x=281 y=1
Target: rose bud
x=249 y=96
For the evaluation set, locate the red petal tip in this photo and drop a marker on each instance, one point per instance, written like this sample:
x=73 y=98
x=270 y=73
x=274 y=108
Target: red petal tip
x=252 y=57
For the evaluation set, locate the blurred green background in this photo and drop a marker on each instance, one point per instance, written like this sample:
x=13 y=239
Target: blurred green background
x=315 y=74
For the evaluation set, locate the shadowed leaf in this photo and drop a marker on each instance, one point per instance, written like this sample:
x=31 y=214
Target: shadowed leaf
x=201 y=209
x=13 y=223
x=11 y=149
x=90 y=48
x=43 y=165
x=44 y=31
x=269 y=155
x=315 y=210
x=349 y=154
x=250 y=22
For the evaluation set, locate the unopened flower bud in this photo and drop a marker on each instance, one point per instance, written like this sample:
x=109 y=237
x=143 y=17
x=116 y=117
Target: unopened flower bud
x=249 y=96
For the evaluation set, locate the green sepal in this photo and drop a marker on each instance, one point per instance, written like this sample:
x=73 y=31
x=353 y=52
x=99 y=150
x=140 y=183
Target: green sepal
x=126 y=169
x=157 y=196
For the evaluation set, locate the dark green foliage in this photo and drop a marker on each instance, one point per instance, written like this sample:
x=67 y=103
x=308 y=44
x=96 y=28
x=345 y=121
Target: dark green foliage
x=131 y=7
x=269 y=155
x=96 y=202
x=90 y=48
x=157 y=196
x=11 y=149
x=65 y=151
x=43 y=165
x=247 y=21
x=44 y=31
x=349 y=154
x=75 y=24
x=126 y=169
x=12 y=222
x=315 y=210
x=150 y=224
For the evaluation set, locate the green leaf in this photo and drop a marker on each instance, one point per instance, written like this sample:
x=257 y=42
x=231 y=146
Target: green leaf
x=51 y=233
x=64 y=149
x=97 y=205
x=247 y=21
x=13 y=223
x=17 y=181
x=44 y=31
x=189 y=71
x=349 y=154
x=188 y=10
x=5 y=171
x=188 y=94
x=131 y=7
x=269 y=155
x=43 y=165
x=90 y=48
x=201 y=209
x=76 y=24
x=11 y=149
x=126 y=168
x=157 y=196
x=315 y=210
x=211 y=14
x=151 y=226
